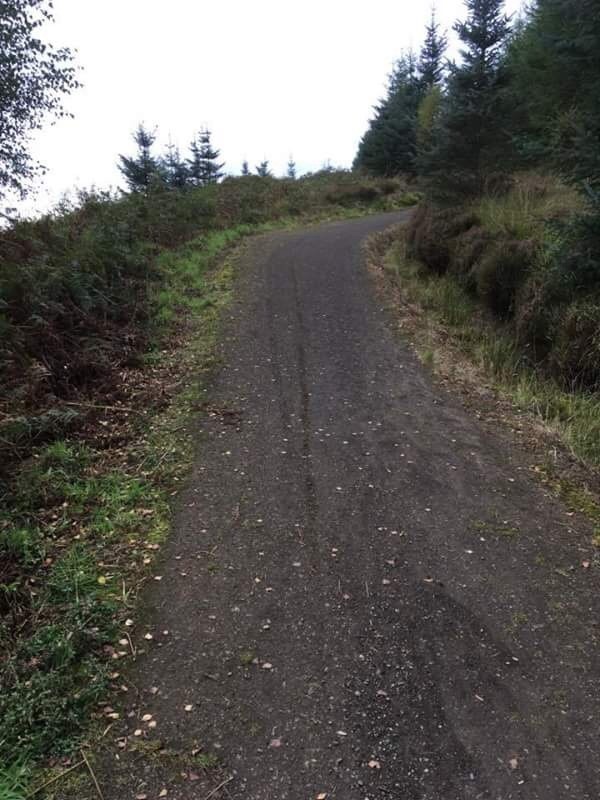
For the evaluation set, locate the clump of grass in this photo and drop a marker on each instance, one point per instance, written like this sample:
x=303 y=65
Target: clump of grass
x=524 y=210
x=14 y=781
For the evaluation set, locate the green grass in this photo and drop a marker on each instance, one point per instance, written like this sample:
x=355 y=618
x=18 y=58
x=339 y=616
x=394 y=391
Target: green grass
x=575 y=416
x=14 y=782
x=524 y=211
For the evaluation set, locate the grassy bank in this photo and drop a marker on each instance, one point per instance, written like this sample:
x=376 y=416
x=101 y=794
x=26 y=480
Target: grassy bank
x=85 y=502
x=484 y=273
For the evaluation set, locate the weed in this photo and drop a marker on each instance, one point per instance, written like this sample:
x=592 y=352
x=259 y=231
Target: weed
x=247 y=657
x=207 y=760
x=14 y=782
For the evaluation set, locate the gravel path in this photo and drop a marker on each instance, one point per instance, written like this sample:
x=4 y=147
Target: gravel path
x=366 y=595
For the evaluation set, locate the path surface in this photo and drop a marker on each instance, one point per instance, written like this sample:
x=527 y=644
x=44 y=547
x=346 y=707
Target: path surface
x=422 y=625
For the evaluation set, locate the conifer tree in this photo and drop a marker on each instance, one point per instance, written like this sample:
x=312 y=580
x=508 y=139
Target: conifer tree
x=263 y=171
x=291 y=169
x=203 y=165
x=141 y=170
x=431 y=59
x=245 y=168
x=210 y=167
x=389 y=145
x=174 y=168
x=470 y=138
x=194 y=164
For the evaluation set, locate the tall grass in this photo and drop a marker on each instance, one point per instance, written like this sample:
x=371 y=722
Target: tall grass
x=523 y=212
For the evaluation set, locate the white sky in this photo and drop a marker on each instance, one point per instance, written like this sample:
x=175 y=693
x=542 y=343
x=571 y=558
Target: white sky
x=269 y=77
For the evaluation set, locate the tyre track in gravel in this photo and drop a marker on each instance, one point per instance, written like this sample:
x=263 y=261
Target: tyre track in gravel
x=414 y=601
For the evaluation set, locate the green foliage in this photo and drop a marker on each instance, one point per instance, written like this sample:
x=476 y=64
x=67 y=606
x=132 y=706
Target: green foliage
x=470 y=138
x=34 y=76
x=431 y=59
x=14 y=781
x=204 y=167
x=142 y=170
x=263 y=171
x=388 y=147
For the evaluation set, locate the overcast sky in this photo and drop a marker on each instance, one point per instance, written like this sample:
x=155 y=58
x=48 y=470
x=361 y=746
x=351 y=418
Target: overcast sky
x=269 y=77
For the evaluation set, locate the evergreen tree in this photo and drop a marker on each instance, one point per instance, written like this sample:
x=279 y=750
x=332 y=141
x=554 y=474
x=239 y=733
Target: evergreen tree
x=141 y=170
x=470 y=139
x=194 y=164
x=431 y=59
x=291 y=169
x=245 y=168
x=203 y=165
x=210 y=167
x=263 y=171
x=389 y=145
x=555 y=74
x=174 y=168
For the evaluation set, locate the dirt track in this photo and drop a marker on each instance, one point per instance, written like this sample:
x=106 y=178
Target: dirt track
x=416 y=605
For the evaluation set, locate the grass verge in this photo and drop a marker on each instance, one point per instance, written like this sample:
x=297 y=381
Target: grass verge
x=492 y=349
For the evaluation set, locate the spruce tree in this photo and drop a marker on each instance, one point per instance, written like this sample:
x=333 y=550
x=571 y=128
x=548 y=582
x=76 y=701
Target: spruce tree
x=174 y=168
x=194 y=164
x=263 y=171
x=245 y=168
x=143 y=169
x=389 y=145
x=211 y=169
x=470 y=139
x=431 y=59
x=291 y=169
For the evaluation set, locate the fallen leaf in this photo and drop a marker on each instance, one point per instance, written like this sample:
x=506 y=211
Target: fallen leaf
x=275 y=743
x=188 y=708
x=374 y=764
x=513 y=763
x=163 y=793
x=321 y=796
x=585 y=564
x=146 y=717
x=267 y=665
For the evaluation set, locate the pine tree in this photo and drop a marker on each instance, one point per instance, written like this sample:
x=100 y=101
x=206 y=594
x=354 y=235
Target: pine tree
x=141 y=170
x=291 y=169
x=263 y=171
x=245 y=168
x=389 y=145
x=431 y=59
x=470 y=139
x=174 y=168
